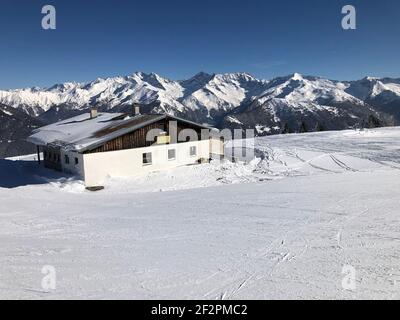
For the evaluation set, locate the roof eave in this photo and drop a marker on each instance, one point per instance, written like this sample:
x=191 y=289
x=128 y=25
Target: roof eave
x=74 y=147
x=128 y=130
x=117 y=134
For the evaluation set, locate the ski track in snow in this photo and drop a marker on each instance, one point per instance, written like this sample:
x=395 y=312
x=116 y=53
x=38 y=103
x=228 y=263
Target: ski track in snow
x=279 y=227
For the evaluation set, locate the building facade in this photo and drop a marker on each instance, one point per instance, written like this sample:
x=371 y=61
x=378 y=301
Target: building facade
x=94 y=147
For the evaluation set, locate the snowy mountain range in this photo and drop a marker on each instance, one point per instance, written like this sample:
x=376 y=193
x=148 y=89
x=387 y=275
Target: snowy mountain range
x=237 y=100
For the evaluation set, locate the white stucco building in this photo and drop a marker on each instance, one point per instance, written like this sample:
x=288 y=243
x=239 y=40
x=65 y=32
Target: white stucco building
x=95 y=146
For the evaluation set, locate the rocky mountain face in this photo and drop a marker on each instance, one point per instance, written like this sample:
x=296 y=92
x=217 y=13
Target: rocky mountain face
x=15 y=126
x=204 y=97
x=297 y=104
x=383 y=94
x=294 y=103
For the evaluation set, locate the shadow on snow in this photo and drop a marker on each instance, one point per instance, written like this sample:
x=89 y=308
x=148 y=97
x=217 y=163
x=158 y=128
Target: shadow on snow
x=18 y=173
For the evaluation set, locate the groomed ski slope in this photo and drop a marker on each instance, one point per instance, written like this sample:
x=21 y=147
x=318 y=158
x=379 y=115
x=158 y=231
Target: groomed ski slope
x=278 y=228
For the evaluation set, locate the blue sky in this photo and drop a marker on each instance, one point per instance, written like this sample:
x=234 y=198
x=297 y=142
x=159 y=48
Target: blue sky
x=177 y=39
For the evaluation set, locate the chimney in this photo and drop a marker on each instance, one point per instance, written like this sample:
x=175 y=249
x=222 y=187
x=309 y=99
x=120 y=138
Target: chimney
x=93 y=113
x=136 y=109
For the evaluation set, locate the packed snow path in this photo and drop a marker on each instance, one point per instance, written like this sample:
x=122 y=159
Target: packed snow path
x=282 y=227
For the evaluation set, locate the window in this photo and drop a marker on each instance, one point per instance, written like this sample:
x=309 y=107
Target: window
x=76 y=161
x=193 y=151
x=66 y=159
x=147 y=158
x=171 y=154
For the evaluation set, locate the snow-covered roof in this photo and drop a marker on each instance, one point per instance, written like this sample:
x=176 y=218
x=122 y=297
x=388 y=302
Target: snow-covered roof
x=82 y=132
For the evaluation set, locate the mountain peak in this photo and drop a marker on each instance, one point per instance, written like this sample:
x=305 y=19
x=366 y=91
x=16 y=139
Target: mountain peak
x=244 y=75
x=201 y=77
x=196 y=82
x=201 y=74
x=297 y=76
x=369 y=78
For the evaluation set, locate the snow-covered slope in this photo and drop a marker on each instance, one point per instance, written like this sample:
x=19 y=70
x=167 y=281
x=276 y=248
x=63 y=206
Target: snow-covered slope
x=370 y=88
x=297 y=102
x=110 y=92
x=279 y=228
x=220 y=93
x=383 y=94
